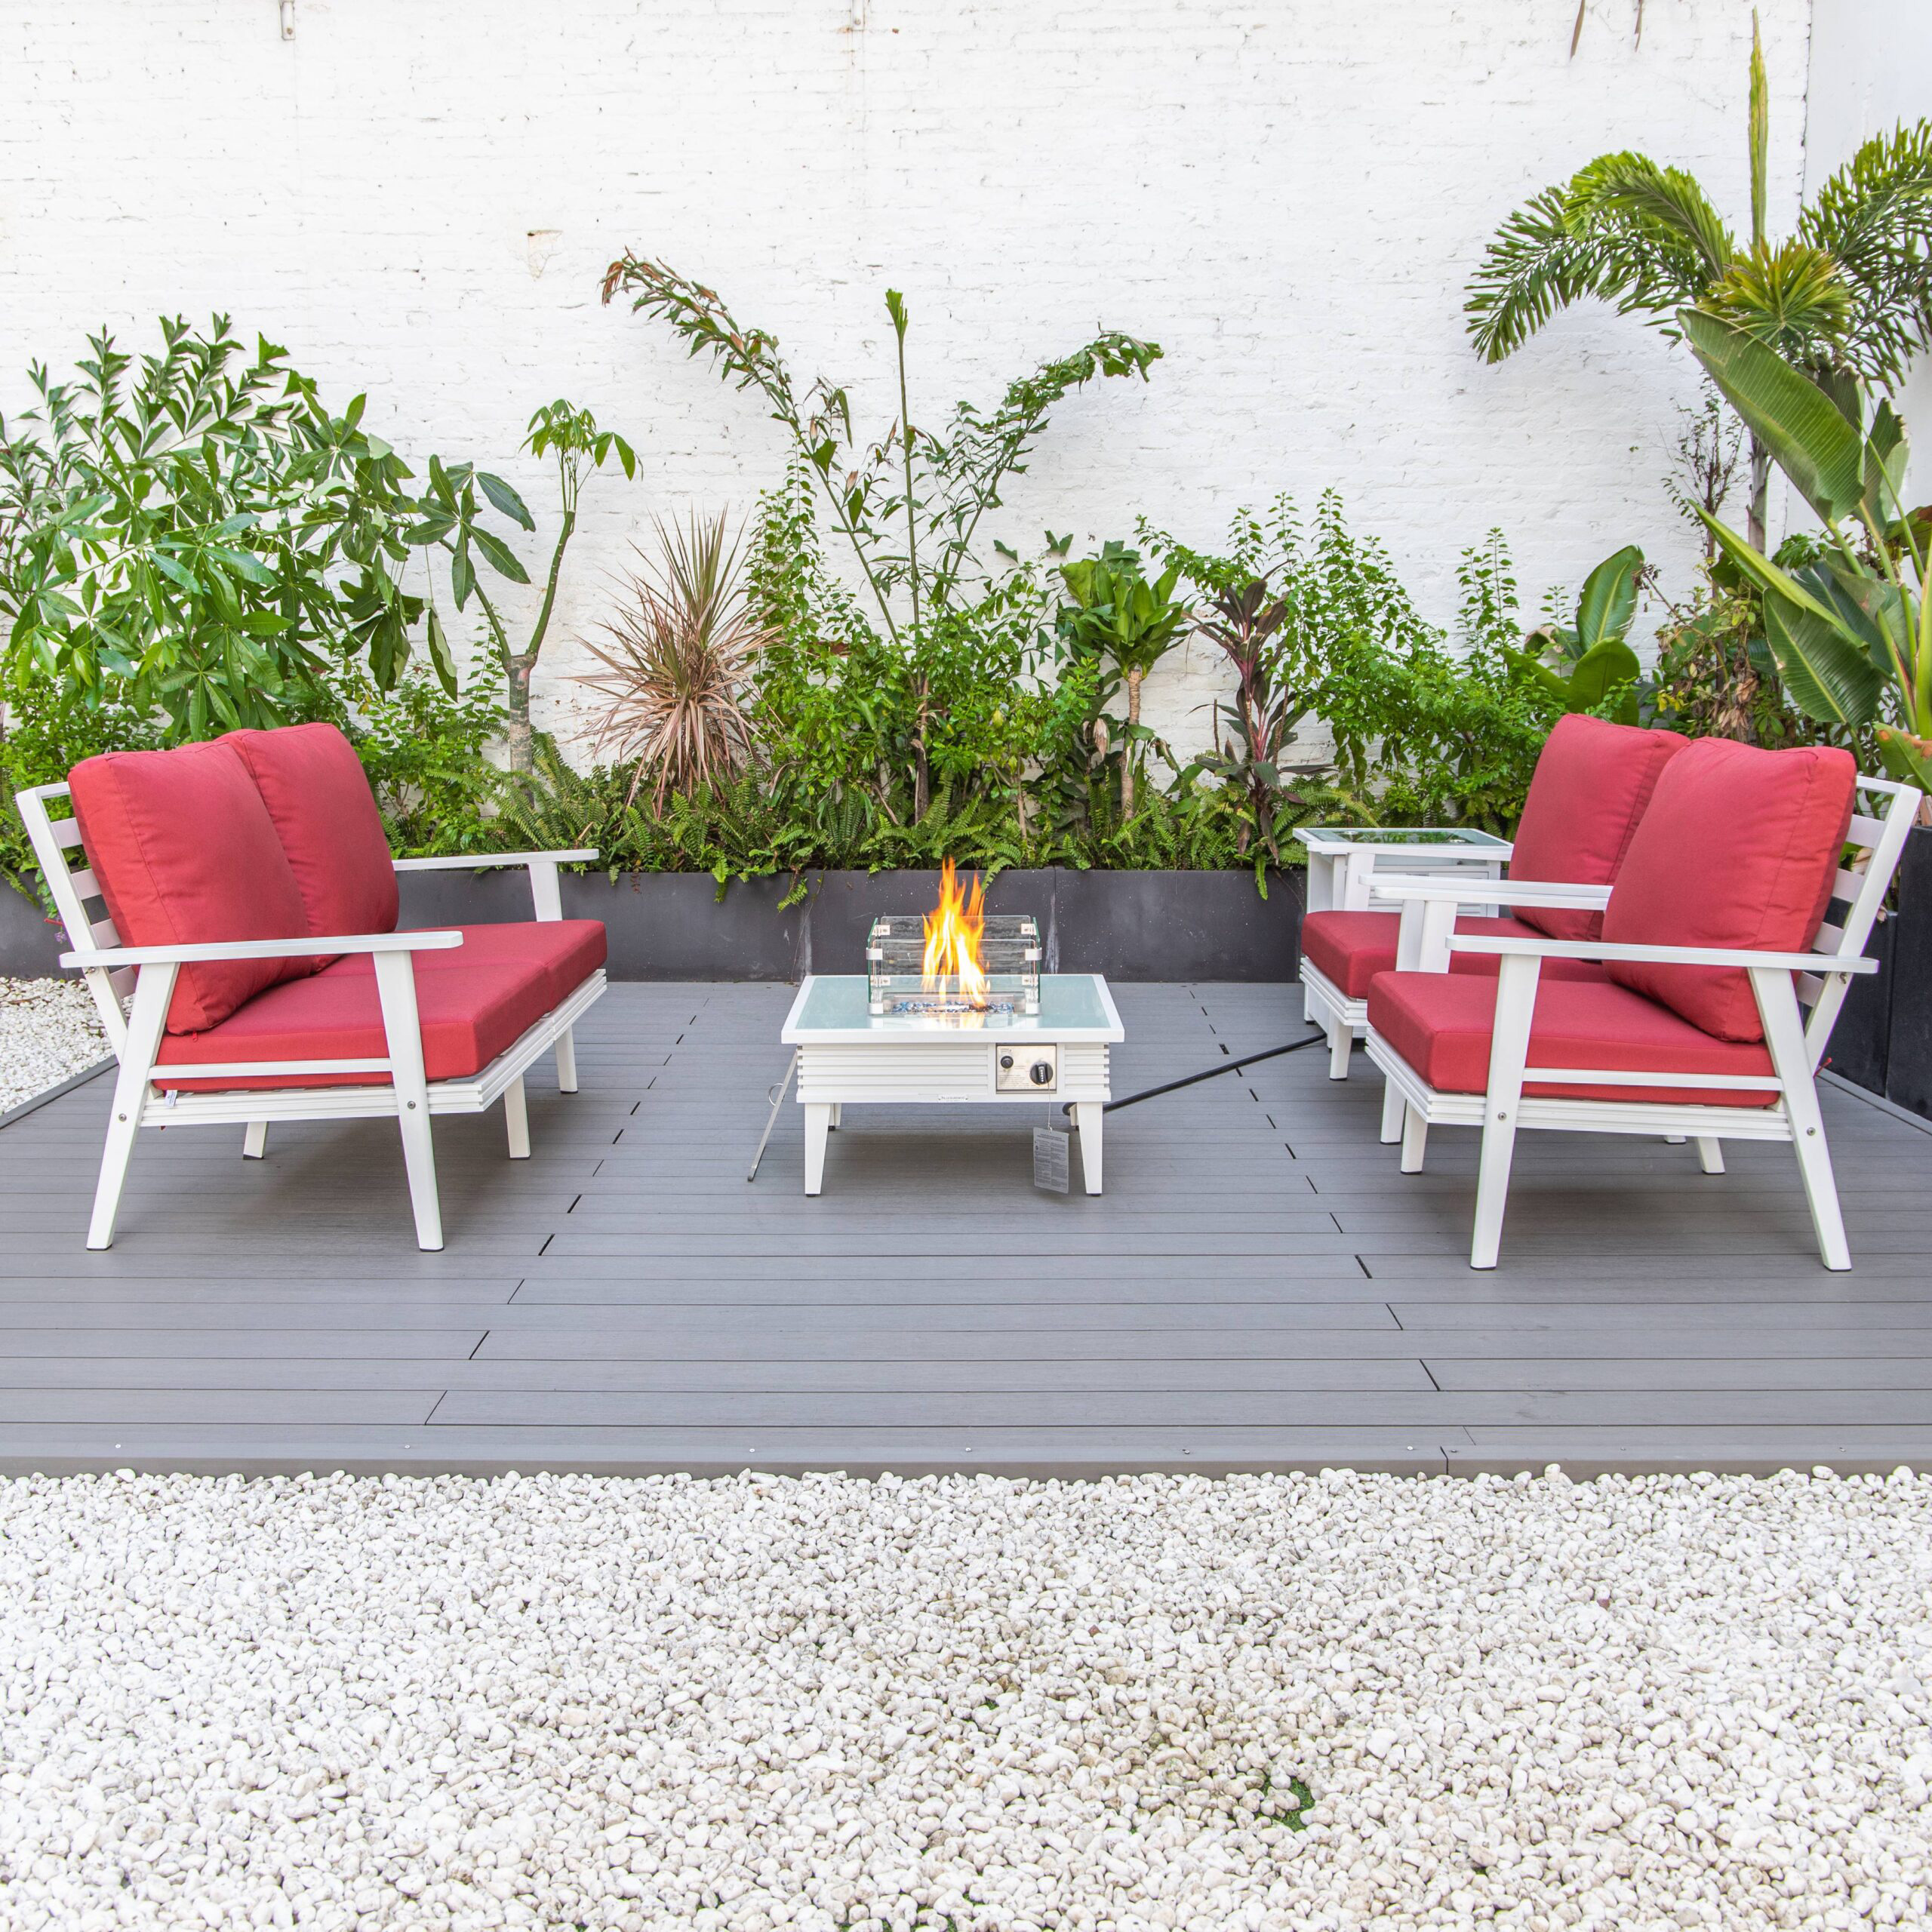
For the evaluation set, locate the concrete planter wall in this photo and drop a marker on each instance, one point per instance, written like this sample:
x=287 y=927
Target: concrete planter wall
x=1155 y=925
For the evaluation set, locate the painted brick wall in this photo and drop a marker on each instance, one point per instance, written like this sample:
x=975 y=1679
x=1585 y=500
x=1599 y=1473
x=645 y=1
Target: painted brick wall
x=418 y=200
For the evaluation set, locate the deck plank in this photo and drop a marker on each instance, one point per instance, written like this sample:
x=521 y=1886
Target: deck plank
x=1258 y=1288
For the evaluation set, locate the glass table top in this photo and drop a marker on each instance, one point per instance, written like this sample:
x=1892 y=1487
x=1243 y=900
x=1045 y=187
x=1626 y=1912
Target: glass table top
x=833 y=1006
x=1400 y=837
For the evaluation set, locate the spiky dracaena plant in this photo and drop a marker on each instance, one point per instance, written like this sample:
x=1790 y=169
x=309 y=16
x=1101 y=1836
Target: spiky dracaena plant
x=679 y=660
x=1849 y=293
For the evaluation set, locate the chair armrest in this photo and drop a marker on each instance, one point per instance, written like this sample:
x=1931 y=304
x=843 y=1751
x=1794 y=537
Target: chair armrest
x=1498 y=892
x=546 y=891
x=1671 y=955
x=260 y=949
x=464 y=862
x=1316 y=838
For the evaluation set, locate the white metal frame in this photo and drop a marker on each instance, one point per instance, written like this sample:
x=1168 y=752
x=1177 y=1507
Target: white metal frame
x=933 y=1065
x=1343 y=863
x=1783 y=983
x=144 y=977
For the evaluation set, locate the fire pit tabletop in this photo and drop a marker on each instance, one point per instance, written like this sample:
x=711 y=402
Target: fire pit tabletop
x=830 y=1007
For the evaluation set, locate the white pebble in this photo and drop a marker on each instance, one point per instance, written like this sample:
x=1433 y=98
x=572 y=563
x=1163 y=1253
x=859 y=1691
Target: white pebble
x=557 y=1702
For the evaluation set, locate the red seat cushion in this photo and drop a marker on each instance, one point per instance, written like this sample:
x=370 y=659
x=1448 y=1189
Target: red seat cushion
x=1740 y=847
x=185 y=853
x=567 y=951
x=318 y=798
x=1441 y=1022
x=1593 y=785
x=1349 y=948
x=470 y=1013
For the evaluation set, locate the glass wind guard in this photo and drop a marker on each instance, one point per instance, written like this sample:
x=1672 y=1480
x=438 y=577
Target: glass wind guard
x=1007 y=980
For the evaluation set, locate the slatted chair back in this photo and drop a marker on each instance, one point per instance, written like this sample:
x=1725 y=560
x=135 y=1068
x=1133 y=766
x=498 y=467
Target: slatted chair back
x=1883 y=814
x=47 y=813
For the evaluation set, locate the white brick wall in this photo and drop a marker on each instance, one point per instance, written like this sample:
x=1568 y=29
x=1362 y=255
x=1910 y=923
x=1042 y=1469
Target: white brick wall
x=1286 y=194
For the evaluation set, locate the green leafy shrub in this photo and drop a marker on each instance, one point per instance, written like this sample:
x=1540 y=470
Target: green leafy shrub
x=202 y=541
x=1429 y=726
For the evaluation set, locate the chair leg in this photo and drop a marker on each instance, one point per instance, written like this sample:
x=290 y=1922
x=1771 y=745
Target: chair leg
x=1710 y=1154
x=1499 y=1148
x=1341 y=1043
x=147 y=1017
x=402 y=1030
x=114 y=1156
x=1393 y=1110
x=566 y=1061
x=1502 y=1100
x=254 y=1141
x=1784 y=1035
x=1675 y=1139
x=516 y=1118
x=1415 y=1140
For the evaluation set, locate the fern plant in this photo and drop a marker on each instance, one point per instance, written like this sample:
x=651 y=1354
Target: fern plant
x=1849 y=293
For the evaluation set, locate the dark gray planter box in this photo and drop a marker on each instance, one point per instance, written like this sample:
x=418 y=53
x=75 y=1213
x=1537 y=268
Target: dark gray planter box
x=1908 y=1033
x=31 y=944
x=676 y=926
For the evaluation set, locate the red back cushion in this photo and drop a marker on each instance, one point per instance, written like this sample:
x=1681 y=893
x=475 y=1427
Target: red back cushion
x=1591 y=784
x=313 y=785
x=186 y=852
x=1740 y=847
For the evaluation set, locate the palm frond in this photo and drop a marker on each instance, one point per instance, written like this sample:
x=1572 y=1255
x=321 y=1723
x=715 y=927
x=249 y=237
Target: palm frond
x=1622 y=229
x=1533 y=267
x=1874 y=217
x=1659 y=216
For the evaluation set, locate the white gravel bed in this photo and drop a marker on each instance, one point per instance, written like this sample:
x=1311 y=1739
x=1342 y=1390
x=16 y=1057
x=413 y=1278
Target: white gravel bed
x=49 y=1031
x=572 y=1702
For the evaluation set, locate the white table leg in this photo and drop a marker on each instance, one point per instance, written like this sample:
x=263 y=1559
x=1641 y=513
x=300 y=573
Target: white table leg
x=818 y=1125
x=1087 y=1119
x=838 y=1115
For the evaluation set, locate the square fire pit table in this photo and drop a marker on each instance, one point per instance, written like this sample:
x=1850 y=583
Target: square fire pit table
x=848 y=1054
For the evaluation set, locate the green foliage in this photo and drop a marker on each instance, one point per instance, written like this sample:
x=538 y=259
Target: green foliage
x=205 y=540
x=570 y=434
x=1429 y=726
x=1120 y=625
x=1589 y=665
x=909 y=506
x=424 y=750
x=1851 y=632
x=1850 y=292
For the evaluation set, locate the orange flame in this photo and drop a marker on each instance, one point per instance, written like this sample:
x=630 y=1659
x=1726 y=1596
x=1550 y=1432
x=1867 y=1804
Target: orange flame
x=952 y=962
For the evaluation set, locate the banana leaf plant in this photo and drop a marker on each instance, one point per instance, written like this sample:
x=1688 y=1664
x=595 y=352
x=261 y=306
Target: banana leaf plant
x=1851 y=634
x=1118 y=616
x=1578 y=667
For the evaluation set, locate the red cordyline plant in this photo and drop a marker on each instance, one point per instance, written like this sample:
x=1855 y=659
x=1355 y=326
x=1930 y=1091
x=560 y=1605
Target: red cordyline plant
x=678 y=663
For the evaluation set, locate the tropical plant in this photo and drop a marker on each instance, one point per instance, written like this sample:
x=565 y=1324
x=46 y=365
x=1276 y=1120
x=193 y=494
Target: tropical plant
x=1252 y=730
x=682 y=651
x=1429 y=726
x=1583 y=666
x=1125 y=625
x=909 y=506
x=1851 y=631
x=204 y=538
x=570 y=435
x=1850 y=292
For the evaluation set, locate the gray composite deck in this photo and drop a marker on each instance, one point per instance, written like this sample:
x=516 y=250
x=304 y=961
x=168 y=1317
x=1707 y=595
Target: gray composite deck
x=1259 y=1287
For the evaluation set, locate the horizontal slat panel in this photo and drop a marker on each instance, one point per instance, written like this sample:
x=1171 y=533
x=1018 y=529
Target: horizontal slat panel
x=67 y=833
